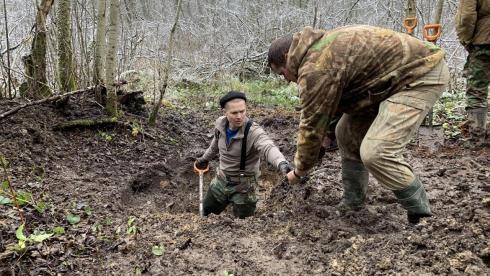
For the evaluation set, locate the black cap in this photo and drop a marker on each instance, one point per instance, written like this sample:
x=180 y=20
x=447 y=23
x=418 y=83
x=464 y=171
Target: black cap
x=231 y=96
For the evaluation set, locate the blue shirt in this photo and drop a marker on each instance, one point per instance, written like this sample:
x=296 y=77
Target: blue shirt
x=230 y=134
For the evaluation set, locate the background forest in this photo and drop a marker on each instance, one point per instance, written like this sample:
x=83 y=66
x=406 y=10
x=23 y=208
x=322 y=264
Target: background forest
x=214 y=38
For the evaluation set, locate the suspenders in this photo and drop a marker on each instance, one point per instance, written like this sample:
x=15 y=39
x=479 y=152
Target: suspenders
x=243 y=155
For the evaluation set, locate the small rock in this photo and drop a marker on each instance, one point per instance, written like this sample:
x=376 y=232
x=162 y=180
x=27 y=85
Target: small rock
x=486 y=202
x=279 y=250
x=462 y=261
x=473 y=270
x=481 y=176
x=183 y=243
x=441 y=172
x=384 y=264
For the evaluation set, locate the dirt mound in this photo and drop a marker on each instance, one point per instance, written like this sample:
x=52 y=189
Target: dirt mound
x=136 y=197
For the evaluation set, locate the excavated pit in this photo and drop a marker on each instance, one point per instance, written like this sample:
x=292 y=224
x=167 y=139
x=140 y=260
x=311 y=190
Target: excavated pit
x=148 y=184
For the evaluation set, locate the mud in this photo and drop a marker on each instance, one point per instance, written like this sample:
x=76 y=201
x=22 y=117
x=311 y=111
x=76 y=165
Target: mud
x=132 y=180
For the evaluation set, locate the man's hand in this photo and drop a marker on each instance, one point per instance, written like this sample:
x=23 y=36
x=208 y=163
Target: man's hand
x=295 y=177
x=284 y=167
x=201 y=163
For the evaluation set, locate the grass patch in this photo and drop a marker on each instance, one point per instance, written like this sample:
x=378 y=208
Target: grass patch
x=449 y=111
x=264 y=93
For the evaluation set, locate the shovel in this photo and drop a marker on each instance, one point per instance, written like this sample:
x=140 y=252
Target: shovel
x=201 y=183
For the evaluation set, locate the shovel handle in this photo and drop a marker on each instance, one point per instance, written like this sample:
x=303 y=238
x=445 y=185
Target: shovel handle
x=410 y=23
x=200 y=171
x=432 y=32
x=201 y=202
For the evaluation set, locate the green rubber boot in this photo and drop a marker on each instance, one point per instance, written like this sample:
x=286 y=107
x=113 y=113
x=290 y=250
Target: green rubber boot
x=355 y=182
x=477 y=118
x=414 y=199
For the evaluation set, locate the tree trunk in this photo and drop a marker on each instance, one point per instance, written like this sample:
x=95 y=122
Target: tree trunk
x=65 y=54
x=145 y=8
x=112 y=43
x=100 y=43
x=99 y=49
x=9 y=77
x=38 y=87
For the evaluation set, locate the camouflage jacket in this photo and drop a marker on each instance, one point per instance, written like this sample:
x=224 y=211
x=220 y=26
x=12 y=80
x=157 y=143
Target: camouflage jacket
x=258 y=144
x=350 y=70
x=473 y=22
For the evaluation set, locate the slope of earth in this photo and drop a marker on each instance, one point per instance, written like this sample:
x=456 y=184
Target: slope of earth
x=137 y=200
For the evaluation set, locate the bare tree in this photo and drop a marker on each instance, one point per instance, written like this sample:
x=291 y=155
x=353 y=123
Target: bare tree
x=239 y=30
x=38 y=87
x=65 y=57
x=99 y=48
x=166 y=69
x=110 y=69
x=9 y=77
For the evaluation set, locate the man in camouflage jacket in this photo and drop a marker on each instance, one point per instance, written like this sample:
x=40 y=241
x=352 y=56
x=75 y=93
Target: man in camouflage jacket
x=232 y=185
x=473 y=29
x=384 y=83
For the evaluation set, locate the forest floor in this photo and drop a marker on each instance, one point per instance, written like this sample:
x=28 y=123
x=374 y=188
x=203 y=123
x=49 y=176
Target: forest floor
x=77 y=185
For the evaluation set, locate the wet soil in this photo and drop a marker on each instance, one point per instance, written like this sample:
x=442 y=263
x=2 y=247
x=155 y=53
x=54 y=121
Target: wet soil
x=133 y=192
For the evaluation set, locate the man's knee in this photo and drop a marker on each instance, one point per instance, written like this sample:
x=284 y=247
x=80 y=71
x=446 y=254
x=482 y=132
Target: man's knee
x=371 y=154
x=348 y=145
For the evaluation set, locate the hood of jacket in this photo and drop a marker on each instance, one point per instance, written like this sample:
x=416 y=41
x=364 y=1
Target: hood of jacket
x=302 y=41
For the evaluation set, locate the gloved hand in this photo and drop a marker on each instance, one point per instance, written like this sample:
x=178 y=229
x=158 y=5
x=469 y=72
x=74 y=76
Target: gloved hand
x=201 y=163
x=285 y=167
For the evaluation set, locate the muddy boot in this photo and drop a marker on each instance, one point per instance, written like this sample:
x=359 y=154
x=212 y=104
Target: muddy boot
x=477 y=120
x=355 y=182
x=414 y=199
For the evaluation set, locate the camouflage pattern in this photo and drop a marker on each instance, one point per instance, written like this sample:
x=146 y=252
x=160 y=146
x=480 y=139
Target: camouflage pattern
x=477 y=71
x=332 y=125
x=378 y=139
x=350 y=70
x=241 y=195
x=473 y=22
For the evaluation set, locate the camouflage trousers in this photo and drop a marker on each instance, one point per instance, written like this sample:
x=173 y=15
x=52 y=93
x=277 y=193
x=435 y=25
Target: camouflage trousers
x=378 y=140
x=477 y=72
x=222 y=192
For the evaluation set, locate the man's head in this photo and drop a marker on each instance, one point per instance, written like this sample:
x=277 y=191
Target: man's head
x=235 y=108
x=278 y=55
